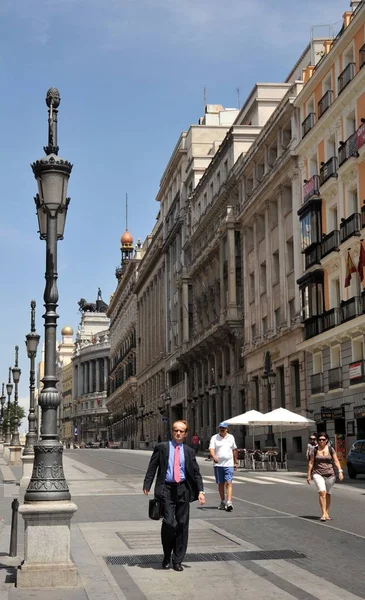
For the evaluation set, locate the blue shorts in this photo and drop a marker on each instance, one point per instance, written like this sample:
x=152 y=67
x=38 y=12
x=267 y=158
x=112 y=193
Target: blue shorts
x=223 y=474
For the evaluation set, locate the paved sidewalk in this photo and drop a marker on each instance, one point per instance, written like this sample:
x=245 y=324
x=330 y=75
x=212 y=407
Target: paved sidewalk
x=117 y=550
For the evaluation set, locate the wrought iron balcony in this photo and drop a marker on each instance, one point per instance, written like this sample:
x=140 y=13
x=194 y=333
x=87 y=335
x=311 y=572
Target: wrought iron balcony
x=310 y=188
x=308 y=123
x=317 y=383
x=332 y=318
x=345 y=77
x=325 y=102
x=328 y=169
x=335 y=378
x=330 y=243
x=313 y=326
x=362 y=56
x=351 y=308
x=362 y=217
x=313 y=256
x=350 y=226
x=348 y=149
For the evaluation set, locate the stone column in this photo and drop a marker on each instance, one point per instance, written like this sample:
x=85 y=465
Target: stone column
x=91 y=368
x=282 y=261
x=298 y=257
x=80 y=387
x=185 y=311
x=257 y=280
x=231 y=255
x=105 y=379
x=97 y=365
x=269 y=295
x=85 y=372
x=205 y=419
x=246 y=303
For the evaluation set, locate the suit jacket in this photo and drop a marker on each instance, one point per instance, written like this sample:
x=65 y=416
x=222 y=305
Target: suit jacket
x=159 y=462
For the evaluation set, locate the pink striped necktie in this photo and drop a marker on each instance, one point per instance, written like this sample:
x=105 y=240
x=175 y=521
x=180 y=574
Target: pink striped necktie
x=177 y=464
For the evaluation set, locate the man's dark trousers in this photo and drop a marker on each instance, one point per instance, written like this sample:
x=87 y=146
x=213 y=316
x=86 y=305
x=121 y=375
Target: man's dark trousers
x=175 y=525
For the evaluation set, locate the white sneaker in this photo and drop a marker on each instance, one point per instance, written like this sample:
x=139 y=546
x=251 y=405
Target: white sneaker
x=222 y=505
x=229 y=507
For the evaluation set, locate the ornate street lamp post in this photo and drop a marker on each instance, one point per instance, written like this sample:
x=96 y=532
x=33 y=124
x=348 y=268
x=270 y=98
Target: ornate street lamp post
x=31 y=342
x=268 y=380
x=15 y=441
x=52 y=173
x=2 y=401
x=9 y=389
x=47 y=508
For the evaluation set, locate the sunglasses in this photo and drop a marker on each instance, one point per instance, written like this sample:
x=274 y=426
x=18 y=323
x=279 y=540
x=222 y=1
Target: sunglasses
x=322 y=439
x=312 y=439
x=179 y=430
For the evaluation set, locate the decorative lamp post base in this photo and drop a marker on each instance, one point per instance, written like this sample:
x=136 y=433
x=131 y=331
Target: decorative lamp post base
x=15 y=457
x=27 y=460
x=47 y=560
x=6 y=452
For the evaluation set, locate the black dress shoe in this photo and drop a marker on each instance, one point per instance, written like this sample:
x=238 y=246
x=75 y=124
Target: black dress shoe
x=166 y=563
x=178 y=567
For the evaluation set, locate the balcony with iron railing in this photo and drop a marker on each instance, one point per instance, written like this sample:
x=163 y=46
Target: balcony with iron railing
x=308 y=123
x=325 y=102
x=362 y=217
x=335 y=378
x=313 y=256
x=348 y=149
x=350 y=226
x=346 y=76
x=331 y=318
x=313 y=326
x=328 y=169
x=351 y=308
x=330 y=243
x=362 y=57
x=317 y=383
x=310 y=188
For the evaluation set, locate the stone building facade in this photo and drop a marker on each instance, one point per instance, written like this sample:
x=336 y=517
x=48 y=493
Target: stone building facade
x=332 y=218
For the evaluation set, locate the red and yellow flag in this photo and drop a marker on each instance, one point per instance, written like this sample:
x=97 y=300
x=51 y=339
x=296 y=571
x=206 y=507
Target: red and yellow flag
x=361 y=265
x=350 y=268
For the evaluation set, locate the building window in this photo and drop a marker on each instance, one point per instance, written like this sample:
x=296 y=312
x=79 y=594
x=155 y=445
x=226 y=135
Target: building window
x=289 y=256
x=275 y=268
x=256 y=393
x=280 y=387
x=358 y=348
x=263 y=278
x=335 y=356
x=297 y=445
x=292 y=310
x=310 y=228
x=277 y=317
x=311 y=294
x=295 y=381
x=253 y=332
x=251 y=289
x=264 y=326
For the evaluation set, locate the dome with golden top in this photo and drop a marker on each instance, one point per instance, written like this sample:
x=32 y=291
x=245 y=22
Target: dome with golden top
x=126 y=239
x=67 y=330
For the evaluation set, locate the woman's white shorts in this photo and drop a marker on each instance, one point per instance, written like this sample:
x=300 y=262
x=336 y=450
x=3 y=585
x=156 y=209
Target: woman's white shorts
x=324 y=484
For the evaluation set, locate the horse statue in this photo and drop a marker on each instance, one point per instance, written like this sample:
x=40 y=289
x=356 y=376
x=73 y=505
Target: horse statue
x=86 y=306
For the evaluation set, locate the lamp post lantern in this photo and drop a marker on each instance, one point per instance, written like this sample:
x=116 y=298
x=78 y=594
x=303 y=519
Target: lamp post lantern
x=47 y=508
x=268 y=380
x=31 y=342
x=9 y=389
x=52 y=173
x=15 y=441
x=2 y=402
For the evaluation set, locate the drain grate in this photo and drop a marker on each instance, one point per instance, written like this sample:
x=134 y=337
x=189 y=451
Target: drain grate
x=152 y=559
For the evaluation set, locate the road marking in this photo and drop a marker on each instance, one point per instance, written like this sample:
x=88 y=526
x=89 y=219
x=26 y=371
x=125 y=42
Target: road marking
x=251 y=480
x=275 y=479
x=211 y=479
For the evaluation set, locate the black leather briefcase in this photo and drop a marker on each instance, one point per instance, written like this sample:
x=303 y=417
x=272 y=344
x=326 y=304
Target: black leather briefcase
x=154 y=509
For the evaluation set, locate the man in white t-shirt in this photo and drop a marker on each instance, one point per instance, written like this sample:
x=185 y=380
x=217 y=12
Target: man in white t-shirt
x=223 y=451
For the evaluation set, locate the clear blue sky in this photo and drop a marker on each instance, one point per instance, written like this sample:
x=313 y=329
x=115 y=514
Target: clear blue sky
x=131 y=75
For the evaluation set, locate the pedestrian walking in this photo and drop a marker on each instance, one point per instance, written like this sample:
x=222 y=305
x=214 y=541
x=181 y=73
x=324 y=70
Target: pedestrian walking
x=321 y=465
x=311 y=445
x=178 y=483
x=223 y=451
x=195 y=440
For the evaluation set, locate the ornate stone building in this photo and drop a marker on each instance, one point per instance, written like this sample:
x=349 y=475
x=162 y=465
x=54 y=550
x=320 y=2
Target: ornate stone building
x=90 y=378
x=151 y=336
x=122 y=402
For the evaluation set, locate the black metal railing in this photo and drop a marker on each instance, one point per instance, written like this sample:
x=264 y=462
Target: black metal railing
x=362 y=217
x=317 y=383
x=356 y=372
x=348 y=149
x=362 y=56
x=313 y=256
x=313 y=326
x=335 y=378
x=325 y=102
x=328 y=169
x=330 y=242
x=332 y=318
x=308 y=123
x=350 y=226
x=345 y=77
x=351 y=308
x=310 y=188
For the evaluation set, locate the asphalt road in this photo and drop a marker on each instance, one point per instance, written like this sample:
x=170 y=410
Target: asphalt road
x=273 y=511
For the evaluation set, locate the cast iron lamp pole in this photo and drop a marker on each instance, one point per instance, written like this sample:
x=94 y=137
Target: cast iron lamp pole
x=52 y=173
x=268 y=379
x=15 y=441
x=9 y=389
x=2 y=401
x=31 y=342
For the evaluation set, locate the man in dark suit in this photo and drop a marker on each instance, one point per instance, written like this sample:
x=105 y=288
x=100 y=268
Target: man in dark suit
x=178 y=483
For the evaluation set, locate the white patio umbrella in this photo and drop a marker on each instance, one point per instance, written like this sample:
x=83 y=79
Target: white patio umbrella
x=283 y=416
x=250 y=417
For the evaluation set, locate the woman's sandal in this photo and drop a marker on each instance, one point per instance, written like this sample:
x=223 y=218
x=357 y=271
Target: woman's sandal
x=323 y=519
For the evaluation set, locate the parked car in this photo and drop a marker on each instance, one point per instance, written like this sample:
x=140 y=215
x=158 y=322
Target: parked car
x=356 y=459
